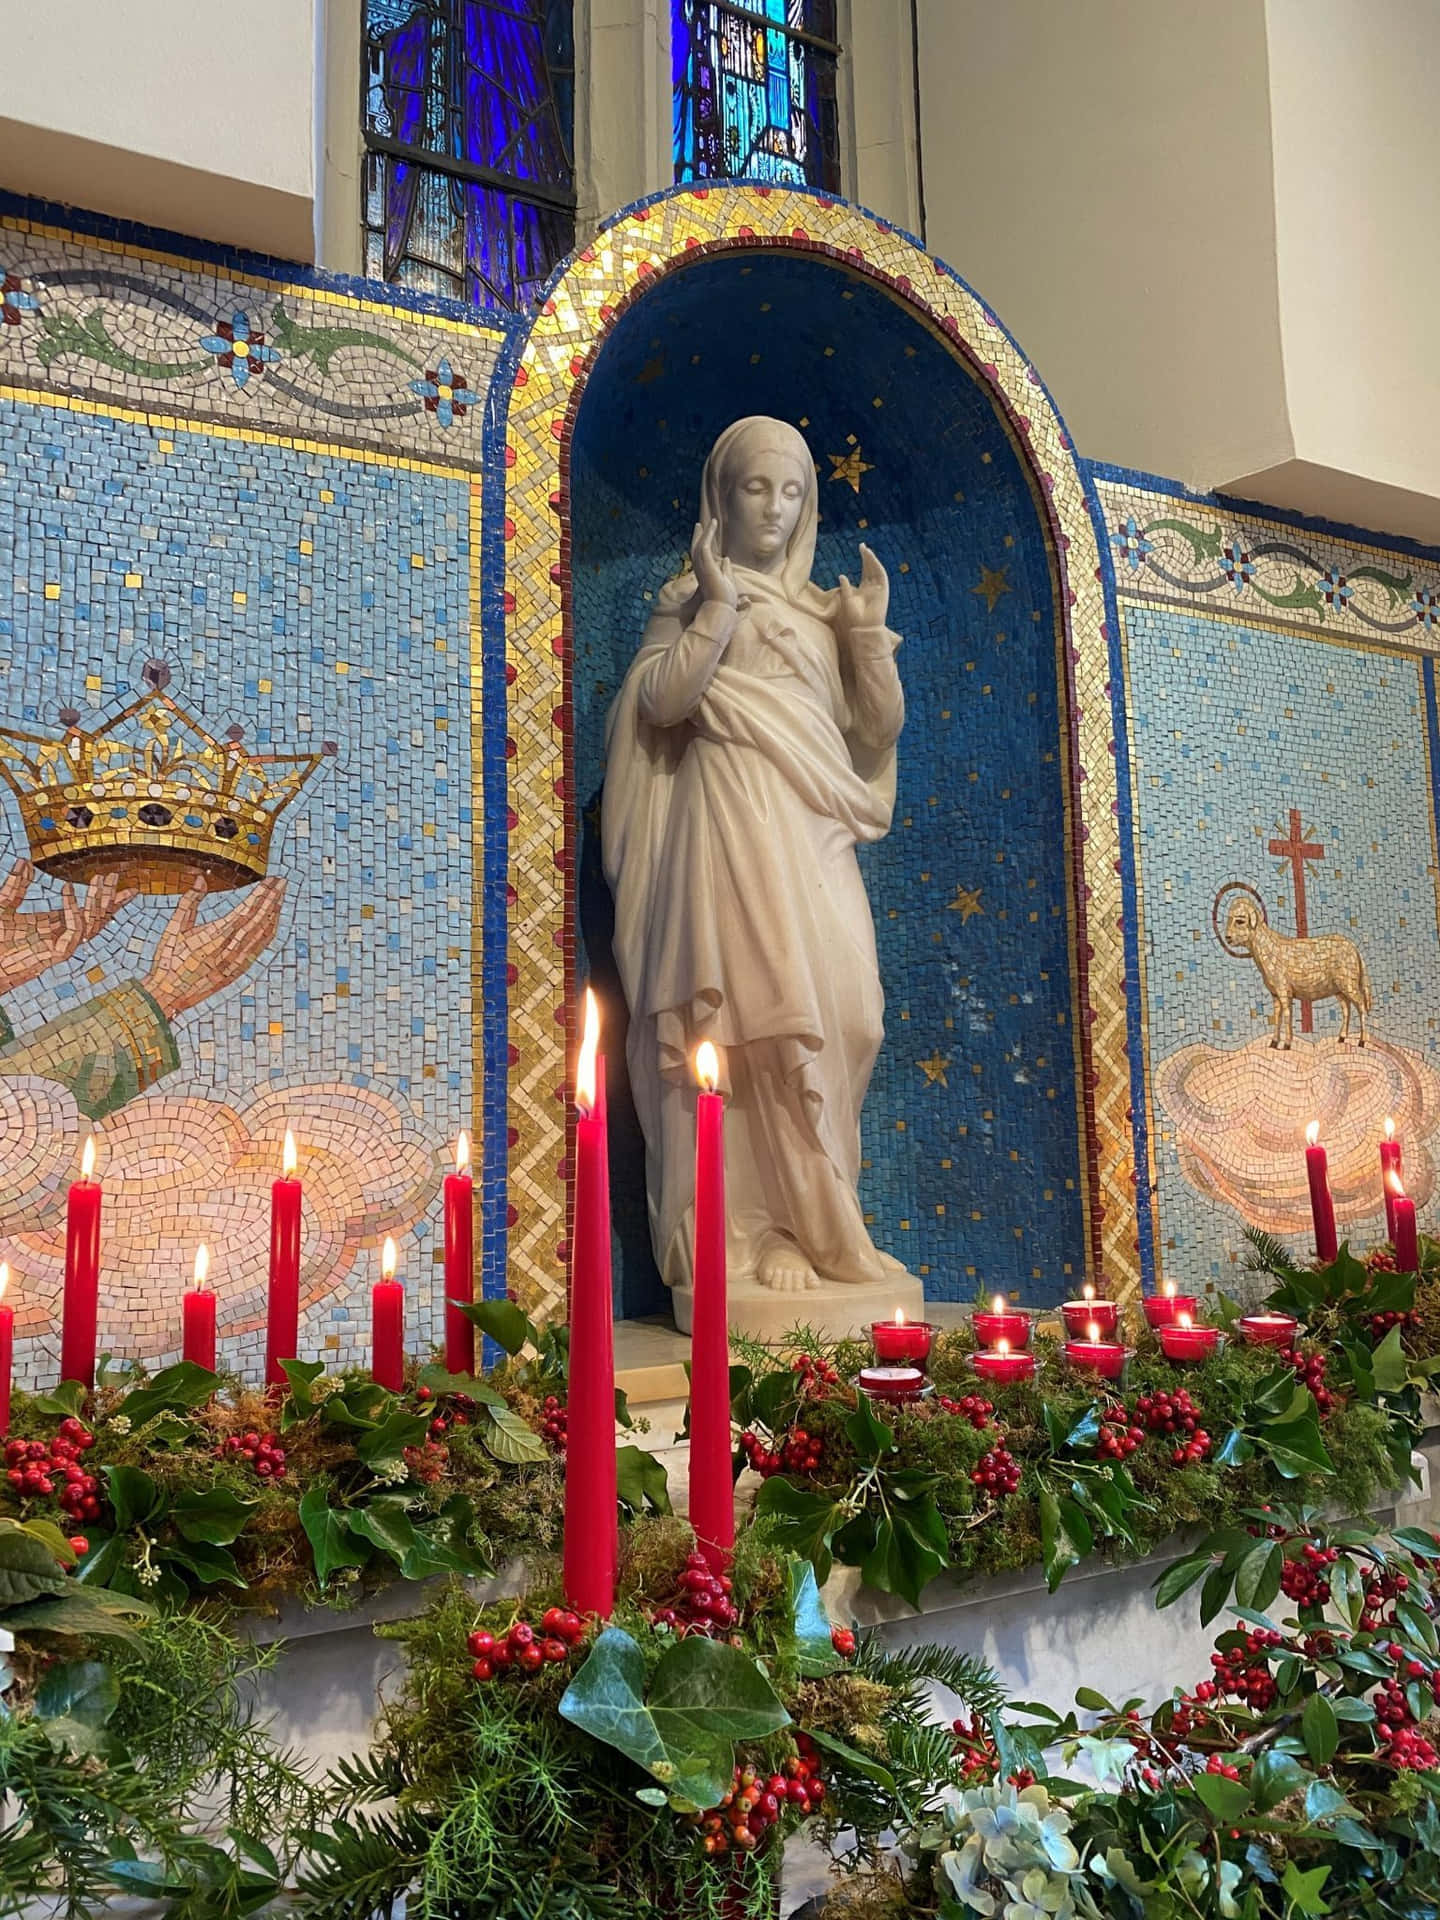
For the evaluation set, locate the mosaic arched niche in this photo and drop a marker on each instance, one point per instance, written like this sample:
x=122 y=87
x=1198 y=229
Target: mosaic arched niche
x=566 y=639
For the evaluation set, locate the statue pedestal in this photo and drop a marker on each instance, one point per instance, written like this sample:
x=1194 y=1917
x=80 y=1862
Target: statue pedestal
x=833 y=1311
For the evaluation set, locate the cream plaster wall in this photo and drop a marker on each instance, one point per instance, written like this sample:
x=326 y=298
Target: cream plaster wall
x=1100 y=170
x=168 y=111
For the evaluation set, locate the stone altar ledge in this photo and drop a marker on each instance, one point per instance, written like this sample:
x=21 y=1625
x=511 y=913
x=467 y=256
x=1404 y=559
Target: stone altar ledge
x=835 y=1312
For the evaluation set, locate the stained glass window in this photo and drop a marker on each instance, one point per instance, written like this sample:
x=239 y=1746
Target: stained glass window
x=469 y=162
x=755 y=91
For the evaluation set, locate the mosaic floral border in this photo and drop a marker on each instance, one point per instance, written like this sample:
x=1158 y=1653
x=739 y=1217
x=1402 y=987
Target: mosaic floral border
x=584 y=301
x=124 y=325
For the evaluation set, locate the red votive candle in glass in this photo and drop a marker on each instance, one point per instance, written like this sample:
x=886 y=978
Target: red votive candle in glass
x=1389 y=1164
x=197 y=1315
x=1269 y=1329
x=459 y=1261
x=1080 y=1315
x=892 y=1383
x=7 y=1349
x=901 y=1342
x=387 y=1324
x=1406 y=1239
x=1322 y=1206
x=1000 y=1366
x=282 y=1311
x=1105 y=1357
x=1163 y=1307
x=80 y=1310
x=1002 y=1322
x=1184 y=1341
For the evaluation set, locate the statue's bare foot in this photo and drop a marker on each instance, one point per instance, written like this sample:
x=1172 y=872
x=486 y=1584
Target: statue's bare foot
x=784 y=1267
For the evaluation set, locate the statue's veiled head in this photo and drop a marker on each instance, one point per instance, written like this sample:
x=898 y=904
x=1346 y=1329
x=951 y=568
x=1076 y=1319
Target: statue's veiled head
x=760 y=487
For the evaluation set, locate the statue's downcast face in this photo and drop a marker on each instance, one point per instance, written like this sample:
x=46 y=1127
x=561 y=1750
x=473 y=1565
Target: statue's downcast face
x=763 y=501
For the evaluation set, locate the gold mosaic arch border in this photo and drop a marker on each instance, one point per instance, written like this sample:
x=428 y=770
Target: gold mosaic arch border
x=619 y=265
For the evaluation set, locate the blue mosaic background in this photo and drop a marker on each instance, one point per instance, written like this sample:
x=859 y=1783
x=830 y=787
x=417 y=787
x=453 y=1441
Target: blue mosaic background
x=972 y=1159
x=1232 y=726
x=364 y=639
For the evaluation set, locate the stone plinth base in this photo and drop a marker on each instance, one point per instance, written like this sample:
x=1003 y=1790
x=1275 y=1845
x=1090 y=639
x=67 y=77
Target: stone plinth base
x=833 y=1311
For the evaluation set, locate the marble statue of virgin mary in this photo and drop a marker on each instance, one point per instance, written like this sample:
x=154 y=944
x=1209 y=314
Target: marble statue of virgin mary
x=751 y=747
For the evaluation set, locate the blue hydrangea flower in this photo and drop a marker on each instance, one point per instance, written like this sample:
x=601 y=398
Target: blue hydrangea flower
x=238 y=348
x=445 y=394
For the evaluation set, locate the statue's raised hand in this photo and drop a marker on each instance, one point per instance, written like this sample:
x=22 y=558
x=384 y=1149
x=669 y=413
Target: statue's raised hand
x=39 y=937
x=712 y=570
x=196 y=958
x=866 y=604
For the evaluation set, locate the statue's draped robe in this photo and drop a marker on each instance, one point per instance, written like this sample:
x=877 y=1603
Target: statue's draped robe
x=738 y=780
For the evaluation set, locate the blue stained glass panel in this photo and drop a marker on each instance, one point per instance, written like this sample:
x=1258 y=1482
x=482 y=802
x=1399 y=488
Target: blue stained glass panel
x=754 y=89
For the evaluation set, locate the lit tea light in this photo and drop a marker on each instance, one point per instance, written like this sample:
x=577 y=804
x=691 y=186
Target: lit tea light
x=1001 y=1366
x=1162 y=1308
x=1002 y=1322
x=1186 y=1342
x=1079 y=1314
x=1269 y=1329
x=1096 y=1354
x=902 y=1342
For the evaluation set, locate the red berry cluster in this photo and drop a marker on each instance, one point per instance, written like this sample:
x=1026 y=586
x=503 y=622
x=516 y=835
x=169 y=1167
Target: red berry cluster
x=997 y=1471
x=1117 y=1439
x=1381 y=1323
x=1306 y=1581
x=1175 y=1415
x=843 y=1641
x=1407 y=1748
x=1241 y=1673
x=524 y=1650
x=799 y=1453
x=262 y=1450
x=1225 y=1768
x=975 y=1749
x=554 y=1423
x=971 y=1407
x=34 y=1468
x=1381 y=1590
x=427 y=1463
x=753 y=1803
x=813 y=1375
x=702 y=1603
x=1310 y=1372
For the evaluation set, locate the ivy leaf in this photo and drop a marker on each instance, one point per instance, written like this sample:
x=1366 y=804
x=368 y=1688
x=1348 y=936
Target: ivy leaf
x=85 y=1691
x=1258 y=1580
x=1320 y=1728
x=300 y=1403
x=1235 y=1449
x=217 y=1516
x=134 y=1496
x=501 y=1321
x=910 y=1549
x=815 y=1650
x=804 y=1522
x=1391 y=1367
x=868 y=1433
x=208 y=1564
x=173 y=1389
x=1351 y=1832
x=1228 y=1800
x=67 y=1400
x=1303 y=1889
x=384 y=1445
x=509 y=1439
x=440 y=1380
x=331 y=1542
x=1065 y=1537
x=641 y=1482
x=606 y=1699
x=1323 y=1802
x=771 y=1397
x=385 y=1524
x=1086 y=1430
x=712 y=1688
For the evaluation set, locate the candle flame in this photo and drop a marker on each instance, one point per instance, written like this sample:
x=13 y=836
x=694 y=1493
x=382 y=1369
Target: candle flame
x=202 y=1264
x=997 y=1305
x=4 y=1278
x=1389 y=1128
x=1312 y=1133
x=1396 y=1185
x=388 y=1258
x=707 y=1066
x=462 y=1151
x=899 y=1316
x=1168 y=1289
x=1183 y=1319
x=1002 y=1345
x=589 y=1048
x=87 y=1157
x=1093 y=1330
x=1087 y=1292
x=288 y=1157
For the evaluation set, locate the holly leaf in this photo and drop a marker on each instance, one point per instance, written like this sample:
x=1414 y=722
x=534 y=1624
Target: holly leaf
x=1086 y=1430
x=499 y=1320
x=172 y=1390
x=331 y=1543
x=509 y=1439
x=441 y=1381
x=1235 y=1449
x=641 y=1482
x=1295 y=1447
x=134 y=1496
x=216 y=1516
x=804 y=1522
x=815 y=1650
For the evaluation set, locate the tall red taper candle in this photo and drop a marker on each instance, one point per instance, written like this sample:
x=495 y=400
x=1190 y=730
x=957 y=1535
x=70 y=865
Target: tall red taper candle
x=80 y=1310
x=1407 y=1241
x=387 y=1324
x=1389 y=1163
x=7 y=1349
x=197 y=1315
x=1322 y=1207
x=282 y=1313
x=459 y=1261
x=712 y=1484
x=592 y=1540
